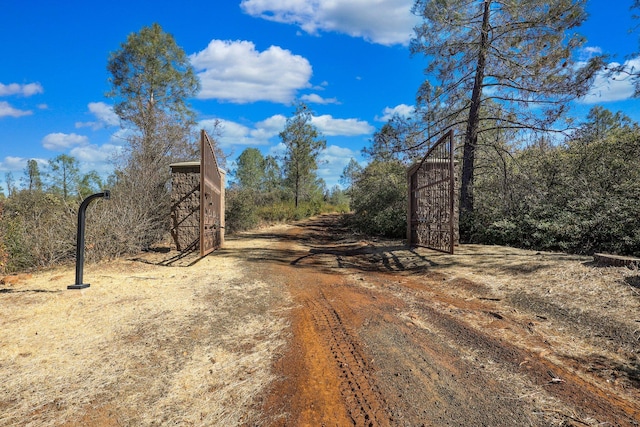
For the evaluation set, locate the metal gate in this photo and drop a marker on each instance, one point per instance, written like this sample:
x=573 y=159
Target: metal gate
x=211 y=203
x=431 y=218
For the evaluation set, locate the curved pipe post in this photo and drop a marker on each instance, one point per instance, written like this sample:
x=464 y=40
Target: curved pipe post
x=80 y=238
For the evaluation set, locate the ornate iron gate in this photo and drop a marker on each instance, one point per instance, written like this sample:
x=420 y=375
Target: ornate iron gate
x=211 y=203
x=431 y=218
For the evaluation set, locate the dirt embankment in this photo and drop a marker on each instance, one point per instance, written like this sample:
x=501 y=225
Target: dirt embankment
x=310 y=325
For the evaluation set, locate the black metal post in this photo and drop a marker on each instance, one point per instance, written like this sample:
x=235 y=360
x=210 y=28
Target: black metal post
x=80 y=238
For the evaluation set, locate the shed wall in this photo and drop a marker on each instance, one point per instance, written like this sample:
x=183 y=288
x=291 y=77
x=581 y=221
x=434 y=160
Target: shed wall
x=185 y=207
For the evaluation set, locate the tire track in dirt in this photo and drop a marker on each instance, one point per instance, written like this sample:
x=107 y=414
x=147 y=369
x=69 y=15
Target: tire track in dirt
x=365 y=403
x=563 y=382
x=325 y=376
x=371 y=347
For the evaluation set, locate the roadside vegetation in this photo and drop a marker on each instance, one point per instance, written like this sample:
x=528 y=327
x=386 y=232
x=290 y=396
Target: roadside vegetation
x=529 y=175
x=578 y=195
x=151 y=79
x=503 y=75
x=267 y=190
x=37 y=219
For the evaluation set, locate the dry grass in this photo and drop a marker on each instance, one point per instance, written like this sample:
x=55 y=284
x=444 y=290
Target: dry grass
x=565 y=308
x=144 y=344
x=567 y=287
x=570 y=285
x=151 y=344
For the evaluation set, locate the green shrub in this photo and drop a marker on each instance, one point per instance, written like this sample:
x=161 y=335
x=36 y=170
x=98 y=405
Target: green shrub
x=277 y=212
x=582 y=197
x=241 y=212
x=379 y=199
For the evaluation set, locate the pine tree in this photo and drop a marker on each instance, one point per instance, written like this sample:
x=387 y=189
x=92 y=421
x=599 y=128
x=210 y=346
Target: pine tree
x=65 y=174
x=498 y=64
x=303 y=144
x=33 y=176
x=151 y=80
x=250 y=171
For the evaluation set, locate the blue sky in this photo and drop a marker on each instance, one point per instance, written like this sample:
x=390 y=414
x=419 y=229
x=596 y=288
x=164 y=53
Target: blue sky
x=348 y=60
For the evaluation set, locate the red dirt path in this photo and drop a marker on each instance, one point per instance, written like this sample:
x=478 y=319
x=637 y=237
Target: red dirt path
x=372 y=347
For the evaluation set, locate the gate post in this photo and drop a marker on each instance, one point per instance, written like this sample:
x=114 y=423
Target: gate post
x=80 y=238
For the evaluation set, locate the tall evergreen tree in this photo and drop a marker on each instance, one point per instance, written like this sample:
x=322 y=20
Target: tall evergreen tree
x=11 y=186
x=350 y=173
x=504 y=64
x=33 y=176
x=272 y=175
x=250 y=171
x=303 y=144
x=64 y=175
x=89 y=183
x=600 y=124
x=151 y=81
x=151 y=74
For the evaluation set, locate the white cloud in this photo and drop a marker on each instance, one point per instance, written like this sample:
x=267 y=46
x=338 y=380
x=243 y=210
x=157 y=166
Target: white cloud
x=333 y=160
x=261 y=133
x=278 y=150
x=6 y=110
x=341 y=127
x=317 y=99
x=104 y=114
x=120 y=137
x=11 y=163
x=270 y=127
x=18 y=89
x=63 y=141
x=616 y=87
x=94 y=157
x=235 y=71
x=402 y=110
x=233 y=133
x=334 y=153
x=385 y=22
x=589 y=51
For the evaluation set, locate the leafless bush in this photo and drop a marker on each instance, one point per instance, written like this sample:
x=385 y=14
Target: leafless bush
x=124 y=225
x=37 y=230
x=4 y=255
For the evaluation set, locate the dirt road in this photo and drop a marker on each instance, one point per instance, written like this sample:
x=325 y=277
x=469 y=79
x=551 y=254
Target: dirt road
x=308 y=325
x=379 y=338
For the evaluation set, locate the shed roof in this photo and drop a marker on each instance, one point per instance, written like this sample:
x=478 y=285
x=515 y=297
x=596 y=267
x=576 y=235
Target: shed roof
x=185 y=164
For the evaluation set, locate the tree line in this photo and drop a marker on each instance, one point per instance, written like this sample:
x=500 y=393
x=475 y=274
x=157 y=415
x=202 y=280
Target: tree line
x=63 y=179
x=503 y=76
x=151 y=80
x=284 y=188
x=37 y=215
x=579 y=195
